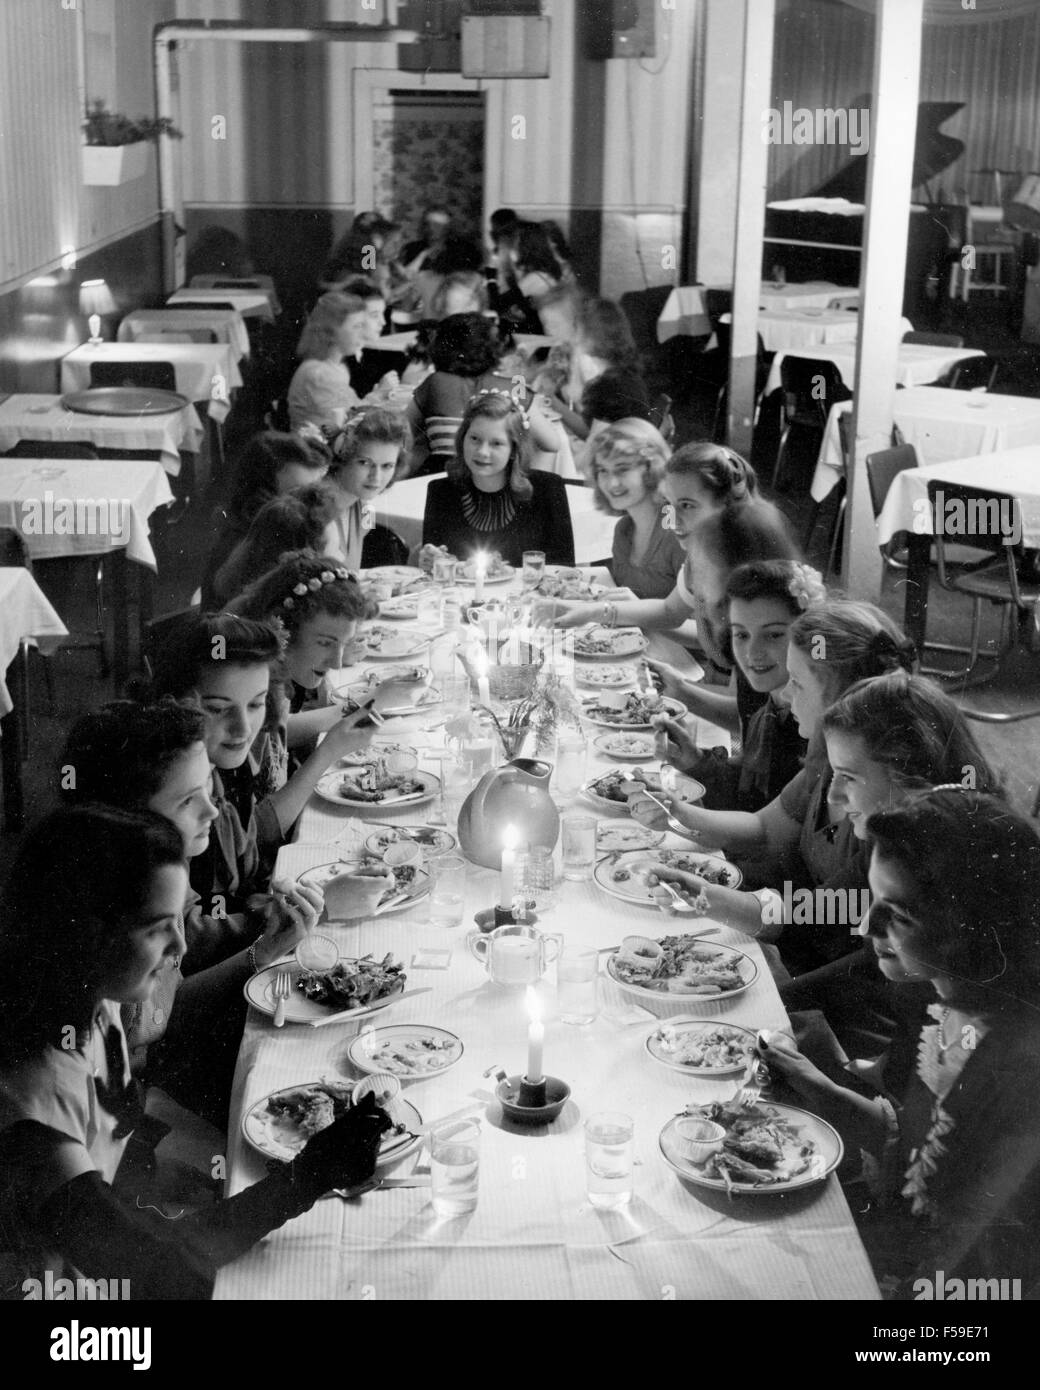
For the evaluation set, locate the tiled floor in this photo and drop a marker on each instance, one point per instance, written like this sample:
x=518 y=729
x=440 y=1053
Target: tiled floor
x=182 y=548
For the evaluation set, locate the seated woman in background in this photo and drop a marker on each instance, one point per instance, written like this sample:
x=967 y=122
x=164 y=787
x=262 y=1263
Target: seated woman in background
x=270 y=465
x=297 y=521
x=955 y=885
x=527 y=259
x=460 y=292
x=101 y=890
x=321 y=392
x=218 y=251
x=465 y=353
x=367 y=455
x=625 y=465
x=370 y=235
x=490 y=500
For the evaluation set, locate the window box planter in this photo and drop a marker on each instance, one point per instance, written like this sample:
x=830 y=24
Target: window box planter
x=110 y=165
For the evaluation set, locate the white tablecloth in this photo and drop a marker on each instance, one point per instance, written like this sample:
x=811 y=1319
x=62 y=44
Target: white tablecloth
x=533 y=1234
x=917 y=363
x=685 y=311
x=204 y=371
x=941 y=425
x=402 y=506
x=45 y=418
x=783 y=330
x=251 y=304
x=264 y=282
x=1014 y=471
x=808 y=294
x=152 y=325
x=24 y=612
x=83 y=506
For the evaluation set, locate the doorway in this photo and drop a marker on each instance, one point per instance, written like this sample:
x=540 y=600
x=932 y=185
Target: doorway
x=428 y=147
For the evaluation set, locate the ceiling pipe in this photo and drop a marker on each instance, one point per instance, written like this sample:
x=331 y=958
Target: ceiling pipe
x=165 y=38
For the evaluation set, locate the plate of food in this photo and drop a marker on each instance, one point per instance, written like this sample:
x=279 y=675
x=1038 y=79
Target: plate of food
x=607 y=642
x=559 y=581
x=384 y=644
x=617 y=836
x=400 y=610
x=365 y=757
x=363 y=984
x=767 y=1148
x=608 y=676
x=497 y=571
x=701 y=1047
x=372 y=785
x=431 y=839
x=608 y=790
x=412 y=879
x=624 y=876
x=398 y=575
x=408 y=1050
x=630 y=711
x=280 y=1125
x=419 y=675
x=680 y=967
x=627 y=748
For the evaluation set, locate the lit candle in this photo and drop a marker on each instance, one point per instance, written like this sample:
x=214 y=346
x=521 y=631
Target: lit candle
x=535 y=1037
x=480 y=661
x=505 y=895
x=479 y=569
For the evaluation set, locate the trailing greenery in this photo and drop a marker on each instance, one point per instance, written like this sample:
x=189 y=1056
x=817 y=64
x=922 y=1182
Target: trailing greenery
x=104 y=127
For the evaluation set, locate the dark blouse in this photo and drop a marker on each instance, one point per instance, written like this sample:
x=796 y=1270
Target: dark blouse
x=654 y=576
x=467 y=520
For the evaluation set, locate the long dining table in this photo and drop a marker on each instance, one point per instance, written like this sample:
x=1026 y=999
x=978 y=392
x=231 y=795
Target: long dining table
x=533 y=1233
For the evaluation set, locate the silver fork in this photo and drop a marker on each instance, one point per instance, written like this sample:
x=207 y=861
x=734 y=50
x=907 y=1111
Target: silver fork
x=749 y=1092
x=673 y=823
x=282 y=990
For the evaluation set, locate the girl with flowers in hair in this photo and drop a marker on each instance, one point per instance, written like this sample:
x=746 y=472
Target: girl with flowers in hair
x=367 y=455
x=491 y=500
x=831 y=646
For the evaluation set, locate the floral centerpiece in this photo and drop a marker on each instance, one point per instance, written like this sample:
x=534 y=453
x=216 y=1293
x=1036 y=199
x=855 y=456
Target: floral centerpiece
x=531 y=725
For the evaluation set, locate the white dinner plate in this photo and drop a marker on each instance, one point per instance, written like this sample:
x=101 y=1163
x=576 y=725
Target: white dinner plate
x=394 y=574
x=363 y=757
x=674 y=1032
x=432 y=839
x=618 y=836
x=468 y=575
x=687 y=789
x=279 y=1140
x=323 y=874
x=400 y=610
x=259 y=990
x=605 y=676
x=330 y=782
x=829 y=1151
x=631 y=890
x=596 y=702
x=623 y=641
x=627 y=748
x=745 y=965
x=381 y=645
x=411 y=1051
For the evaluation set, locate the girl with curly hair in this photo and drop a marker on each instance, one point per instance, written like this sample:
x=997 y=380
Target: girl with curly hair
x=320 y=392
x=368 y=453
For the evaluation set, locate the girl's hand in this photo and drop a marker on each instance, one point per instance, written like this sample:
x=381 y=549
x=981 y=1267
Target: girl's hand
x=289 y=911
x=428 y=553
x=559 y=612
x=670 y=680
x=781 y=1055
x=389 y=381
x=682 y=746
x=649 y=813
x=690 y=886
x=352 y=895
x=345 y=737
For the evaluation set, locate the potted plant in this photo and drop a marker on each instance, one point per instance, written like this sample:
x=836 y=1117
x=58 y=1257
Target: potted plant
x=116 y=146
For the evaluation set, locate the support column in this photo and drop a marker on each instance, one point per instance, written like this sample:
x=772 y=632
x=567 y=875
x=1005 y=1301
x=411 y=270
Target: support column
x=717 y=142
x=897 y=72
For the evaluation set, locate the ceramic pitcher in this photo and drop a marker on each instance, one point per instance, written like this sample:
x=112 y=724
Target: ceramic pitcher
x=515 y=795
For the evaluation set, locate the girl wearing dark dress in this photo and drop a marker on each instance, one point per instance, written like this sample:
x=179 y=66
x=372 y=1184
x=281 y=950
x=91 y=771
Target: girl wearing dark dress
x=490 y=500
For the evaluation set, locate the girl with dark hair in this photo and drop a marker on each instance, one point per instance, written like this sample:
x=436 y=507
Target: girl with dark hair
x=298 y=520
x=955 y=884
x=92 y=922
x=491 y=500
x=367 y=455
x=321 y=392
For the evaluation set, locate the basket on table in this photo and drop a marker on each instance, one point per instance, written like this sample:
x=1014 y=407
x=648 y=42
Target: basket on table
x=505 y=682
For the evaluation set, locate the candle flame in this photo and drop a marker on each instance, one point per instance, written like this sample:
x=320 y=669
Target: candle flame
x=534 y=1005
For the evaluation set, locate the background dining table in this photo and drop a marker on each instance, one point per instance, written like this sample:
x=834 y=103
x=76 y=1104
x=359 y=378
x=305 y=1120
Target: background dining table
x=533 y=1233
x=685 y=312
x=156 y=325
x=44 y=417
x=917 y=364
x=251 y=304
x=204 y=371
x=784 y=330
x=941 y=425
x=26 y=615
x=246 y=282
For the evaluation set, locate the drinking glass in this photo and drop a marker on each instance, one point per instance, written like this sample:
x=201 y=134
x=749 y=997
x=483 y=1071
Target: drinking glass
x=577 y=972
x=579 y=846
x=457 y=785
x=430 y=608
x=455 y=1168
x=444 y=567
x=447 y=889
x=455 y=695
x=534 y=568
x=536 y=877
x=608 y=1158
x=571 y=755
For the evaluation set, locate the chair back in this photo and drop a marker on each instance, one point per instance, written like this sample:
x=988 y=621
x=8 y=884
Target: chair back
x=381 y=546
x=882 y=468
x=13 y=553
x=717 y=303
x=950 y=340
x=985 y=520
x=203 y=304
x=52 y=449
x=152 y=376
x=973 y=374
x=810 y=386
x=845 y=437
x=236 y=285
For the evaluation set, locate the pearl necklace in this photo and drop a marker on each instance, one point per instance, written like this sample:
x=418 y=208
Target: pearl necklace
x=942 y=1046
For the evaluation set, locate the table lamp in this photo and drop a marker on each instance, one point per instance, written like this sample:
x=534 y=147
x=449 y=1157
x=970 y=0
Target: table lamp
x=95 y=299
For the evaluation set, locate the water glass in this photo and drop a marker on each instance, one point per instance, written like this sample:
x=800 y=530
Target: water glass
x=608 y=1158
x=579 y=846
x=571 y=756
x=430 y=608
x=455 y=695
x=577 y=973
x=534 y=568
x=447 y=889
x=536 y=877
x=455 y=1167
x=444 y=567
x=457 y=785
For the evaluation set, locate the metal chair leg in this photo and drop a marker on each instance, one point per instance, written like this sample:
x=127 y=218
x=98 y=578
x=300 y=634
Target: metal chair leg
x=99 y=600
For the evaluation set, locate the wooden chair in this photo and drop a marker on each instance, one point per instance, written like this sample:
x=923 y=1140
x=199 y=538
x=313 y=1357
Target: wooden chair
x=973 y=374
x=810 y=386
x=151 y=376
x=52 y=449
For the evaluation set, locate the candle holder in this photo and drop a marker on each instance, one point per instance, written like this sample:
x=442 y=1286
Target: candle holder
x=491 y=917
x=530 y=1102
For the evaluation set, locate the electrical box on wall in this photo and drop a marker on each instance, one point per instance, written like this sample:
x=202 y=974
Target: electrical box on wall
x=505 y=46
x=622 y=29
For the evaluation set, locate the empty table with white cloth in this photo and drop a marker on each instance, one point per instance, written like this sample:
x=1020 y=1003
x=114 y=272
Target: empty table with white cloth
x=251 y=304
x=916 y=365
x=45 y=418
x=784 y=330
x=157 y=326
x=204 y=371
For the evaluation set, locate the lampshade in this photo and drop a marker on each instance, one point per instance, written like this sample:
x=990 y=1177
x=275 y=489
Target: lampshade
x=96 y=298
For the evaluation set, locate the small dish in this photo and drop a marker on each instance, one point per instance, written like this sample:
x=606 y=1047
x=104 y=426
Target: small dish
x=695 y=1139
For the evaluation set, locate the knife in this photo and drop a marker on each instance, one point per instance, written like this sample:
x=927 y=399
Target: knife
x=347 y=1014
